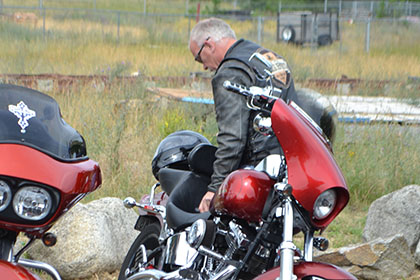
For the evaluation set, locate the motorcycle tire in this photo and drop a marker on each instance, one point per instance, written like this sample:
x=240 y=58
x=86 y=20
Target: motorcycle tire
x=149 y=237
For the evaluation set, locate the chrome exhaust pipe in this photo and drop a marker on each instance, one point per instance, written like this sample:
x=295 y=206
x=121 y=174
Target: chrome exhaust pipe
x=154 y=274
x=149 y=274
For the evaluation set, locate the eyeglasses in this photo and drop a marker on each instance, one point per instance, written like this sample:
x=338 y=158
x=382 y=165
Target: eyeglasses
x=198 y=56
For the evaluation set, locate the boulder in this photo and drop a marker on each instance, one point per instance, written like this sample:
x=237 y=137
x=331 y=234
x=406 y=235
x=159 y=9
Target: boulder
x=91 y=238
x=397 y=212
x=378 y=259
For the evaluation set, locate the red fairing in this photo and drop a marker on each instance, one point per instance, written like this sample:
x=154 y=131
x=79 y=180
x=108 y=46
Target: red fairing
x=310 y=164
x=243 y=194
x=9 y=271
x=303 y=269
x=72 y=179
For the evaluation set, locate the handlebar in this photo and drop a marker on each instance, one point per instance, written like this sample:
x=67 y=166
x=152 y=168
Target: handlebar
x=258 y=98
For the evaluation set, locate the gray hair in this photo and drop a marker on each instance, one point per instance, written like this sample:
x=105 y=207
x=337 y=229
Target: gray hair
x=215 y=28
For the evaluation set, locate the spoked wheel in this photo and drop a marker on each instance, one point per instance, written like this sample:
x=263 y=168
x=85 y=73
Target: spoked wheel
x=145 y=243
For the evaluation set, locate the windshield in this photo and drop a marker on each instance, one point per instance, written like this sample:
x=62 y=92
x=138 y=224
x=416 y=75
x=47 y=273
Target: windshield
x=31 y=118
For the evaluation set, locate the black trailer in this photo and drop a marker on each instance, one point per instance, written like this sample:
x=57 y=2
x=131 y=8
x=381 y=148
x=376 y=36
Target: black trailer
x=308 y=28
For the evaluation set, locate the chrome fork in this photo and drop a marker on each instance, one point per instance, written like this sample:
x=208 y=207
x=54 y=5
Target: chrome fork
x=287 y=247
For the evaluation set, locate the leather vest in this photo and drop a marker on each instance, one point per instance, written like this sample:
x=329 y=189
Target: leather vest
x=267 y=67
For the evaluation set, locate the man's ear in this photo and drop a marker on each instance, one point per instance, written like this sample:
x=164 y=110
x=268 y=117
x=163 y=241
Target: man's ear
x=211 y=45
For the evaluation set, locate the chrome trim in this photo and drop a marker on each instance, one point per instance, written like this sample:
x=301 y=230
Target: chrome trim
x=287 y=248
x=271 y=165
x=211 y=254
x=196 y=233
x=129 y=202
x=152 y=193
x=240 y=239
x=143 y=254
x=308 y=247
x=10 y=256
x=178 y=251
x=151 y=274
x=261 y=58
x=308 y=118
x=225 y=273
x=42 y=266
x=262 y=125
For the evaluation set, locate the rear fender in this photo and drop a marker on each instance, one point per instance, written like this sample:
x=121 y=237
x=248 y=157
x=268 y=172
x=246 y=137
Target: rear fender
x=303 y=271
x=15 y=272
x=146 y=219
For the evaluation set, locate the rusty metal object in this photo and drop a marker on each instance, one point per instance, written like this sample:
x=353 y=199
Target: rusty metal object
x=48 y=82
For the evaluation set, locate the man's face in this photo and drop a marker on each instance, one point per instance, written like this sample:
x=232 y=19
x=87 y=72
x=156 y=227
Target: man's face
x=205 y=54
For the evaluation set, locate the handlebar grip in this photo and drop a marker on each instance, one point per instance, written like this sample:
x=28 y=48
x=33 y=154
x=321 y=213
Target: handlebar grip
x=236 y=88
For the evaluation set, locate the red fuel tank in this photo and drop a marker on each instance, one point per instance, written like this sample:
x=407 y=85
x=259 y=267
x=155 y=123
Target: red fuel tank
x=243 y=194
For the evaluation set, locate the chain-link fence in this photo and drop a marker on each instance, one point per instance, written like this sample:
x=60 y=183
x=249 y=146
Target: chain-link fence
x=344 y=8
x=372 y=24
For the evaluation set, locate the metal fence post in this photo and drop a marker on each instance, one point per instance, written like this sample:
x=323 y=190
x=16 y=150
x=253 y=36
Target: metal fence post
x=118 y=26
x=43 y=22
x=368 y=28
x=144 y=7
x=354 y=9
x=313 y=32
x=339 y=8
x=41 y=4
x=189 y=28
x=259 y=30
x=278 y=24
x=186 y=6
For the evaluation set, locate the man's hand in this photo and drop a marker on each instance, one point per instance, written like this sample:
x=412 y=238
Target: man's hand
x=205 y=202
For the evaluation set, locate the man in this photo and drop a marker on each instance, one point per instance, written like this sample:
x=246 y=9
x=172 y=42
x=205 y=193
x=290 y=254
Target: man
x=213 y=43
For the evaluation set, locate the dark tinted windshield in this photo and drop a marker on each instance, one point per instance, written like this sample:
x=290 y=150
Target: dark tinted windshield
x=29 y=117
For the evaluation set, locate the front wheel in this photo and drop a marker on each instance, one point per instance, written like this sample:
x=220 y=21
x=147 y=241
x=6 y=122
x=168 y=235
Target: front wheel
x=146 y=242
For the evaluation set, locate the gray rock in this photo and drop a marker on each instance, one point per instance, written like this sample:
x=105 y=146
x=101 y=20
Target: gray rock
x=378 y=259
x=397 y=212
x=92 y=238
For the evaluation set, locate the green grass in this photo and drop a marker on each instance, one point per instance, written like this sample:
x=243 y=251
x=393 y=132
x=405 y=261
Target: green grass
x=127 y=124
x=122 y=135
x=85 y=42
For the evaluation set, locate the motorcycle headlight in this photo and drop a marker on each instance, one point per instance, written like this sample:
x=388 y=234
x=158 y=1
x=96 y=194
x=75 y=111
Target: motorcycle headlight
x=325 y=204
x=32 y=203
x=196 y=234
x=5 y=195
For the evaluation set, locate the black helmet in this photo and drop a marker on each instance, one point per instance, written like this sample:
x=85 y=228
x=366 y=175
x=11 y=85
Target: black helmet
x=174 y=149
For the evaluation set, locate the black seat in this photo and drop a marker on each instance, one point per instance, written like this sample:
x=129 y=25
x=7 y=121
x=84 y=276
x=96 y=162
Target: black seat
x=186 y=188
x=182 y=206
x=169 y=178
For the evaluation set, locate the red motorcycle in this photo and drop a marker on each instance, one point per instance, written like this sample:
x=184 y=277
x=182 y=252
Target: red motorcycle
x=44 y=171
x=248 y=233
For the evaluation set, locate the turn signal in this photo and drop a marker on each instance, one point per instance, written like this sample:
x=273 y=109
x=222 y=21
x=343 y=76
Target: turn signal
x=321 y=243
x=49 y=239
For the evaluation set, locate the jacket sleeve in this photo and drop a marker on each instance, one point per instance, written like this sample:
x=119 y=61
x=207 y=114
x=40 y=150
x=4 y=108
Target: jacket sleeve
x=232 y=116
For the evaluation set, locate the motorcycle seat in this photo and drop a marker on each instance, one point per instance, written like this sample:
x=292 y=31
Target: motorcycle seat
x=169 y=178
x=183 y=202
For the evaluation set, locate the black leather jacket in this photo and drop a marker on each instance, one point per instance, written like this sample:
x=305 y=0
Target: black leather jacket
x=238 y=143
